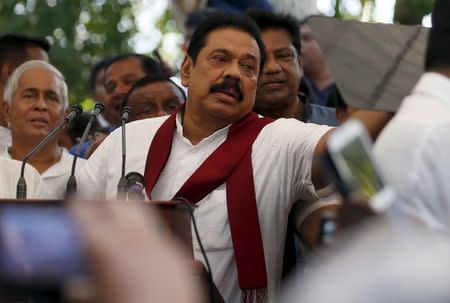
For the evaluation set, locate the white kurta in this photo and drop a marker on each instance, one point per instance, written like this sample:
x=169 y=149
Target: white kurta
x=281 y=158
x=9 y=175
x=414 y=152
x=56 y=176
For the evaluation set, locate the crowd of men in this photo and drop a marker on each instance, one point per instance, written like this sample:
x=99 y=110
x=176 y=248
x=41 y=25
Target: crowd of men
x=240 y=139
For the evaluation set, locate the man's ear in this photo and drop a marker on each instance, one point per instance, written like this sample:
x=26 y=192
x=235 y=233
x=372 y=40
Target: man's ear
x=5 y=72
x=5 y=108
x=185 y=72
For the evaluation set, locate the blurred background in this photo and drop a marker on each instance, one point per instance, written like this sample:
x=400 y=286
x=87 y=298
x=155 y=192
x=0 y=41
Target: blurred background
x=84 y=31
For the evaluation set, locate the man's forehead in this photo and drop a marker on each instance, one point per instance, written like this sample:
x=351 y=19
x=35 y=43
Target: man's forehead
x=30 y=79
x=220 y=39
x=126 y=65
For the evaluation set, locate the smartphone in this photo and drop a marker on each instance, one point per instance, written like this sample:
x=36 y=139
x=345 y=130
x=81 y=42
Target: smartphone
x=349 y=148
x=40 y=246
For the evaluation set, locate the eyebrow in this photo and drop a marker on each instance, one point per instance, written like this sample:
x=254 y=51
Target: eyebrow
x=246 y=56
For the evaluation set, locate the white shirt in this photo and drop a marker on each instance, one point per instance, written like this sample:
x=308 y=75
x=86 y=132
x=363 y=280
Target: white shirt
x=56 y=176
x=5 y=138
x=9 y=175
x=387 y=260
x=281 y=158
x=414 y=152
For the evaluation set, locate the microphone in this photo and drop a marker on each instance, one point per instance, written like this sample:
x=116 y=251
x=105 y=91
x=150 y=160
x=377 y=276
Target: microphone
x=72 y=182
x=21 y=190
x=135 y=186
x=122 y=186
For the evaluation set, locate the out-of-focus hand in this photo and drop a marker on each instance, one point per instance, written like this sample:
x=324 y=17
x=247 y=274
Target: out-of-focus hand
x=129 y=259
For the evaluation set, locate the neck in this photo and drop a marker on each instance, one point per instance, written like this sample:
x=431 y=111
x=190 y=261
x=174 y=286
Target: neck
x=321 y=77
x=293 y=109
x=196 y=128
x=442 y=71
x=42 y=160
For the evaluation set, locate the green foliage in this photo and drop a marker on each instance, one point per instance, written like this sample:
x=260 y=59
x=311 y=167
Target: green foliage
x=412 y=11
x=81 y=32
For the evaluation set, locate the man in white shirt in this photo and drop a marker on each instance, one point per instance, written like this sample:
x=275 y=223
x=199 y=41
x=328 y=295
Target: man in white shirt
x=36 y=102
x=253 y=170
x=9 y=175
x=414 y=148
x=14 y=50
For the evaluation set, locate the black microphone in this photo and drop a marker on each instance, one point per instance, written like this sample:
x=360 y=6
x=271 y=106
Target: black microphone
x=72 y=182
x=21 y=190
x=135 y=186
x=122 y=185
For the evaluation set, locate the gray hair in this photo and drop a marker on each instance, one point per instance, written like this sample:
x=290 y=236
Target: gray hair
x=11 y=85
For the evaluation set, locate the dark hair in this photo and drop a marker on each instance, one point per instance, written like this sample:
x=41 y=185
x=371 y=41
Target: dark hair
x=95 y=70
x=13 y=47
x=221 y=21
x=149 y=65
x=438 y=50
x=196 y=18
x=152 y=79
x=266 y=19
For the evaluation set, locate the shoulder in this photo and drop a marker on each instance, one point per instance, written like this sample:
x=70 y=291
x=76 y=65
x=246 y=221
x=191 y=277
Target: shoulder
x=140 y=127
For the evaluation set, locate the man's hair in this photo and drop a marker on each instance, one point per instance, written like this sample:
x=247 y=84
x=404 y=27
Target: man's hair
x=149 y=65
x=438 y=50
x=266 y=20
x=196 y=18
x=95 y=70
x=13 y=47
x=152 y=79
x=11 y=84
x=223 y=21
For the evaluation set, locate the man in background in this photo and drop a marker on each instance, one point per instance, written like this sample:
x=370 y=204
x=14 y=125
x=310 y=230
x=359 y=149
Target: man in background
x=277 y=95
x=154 y=96
x=36 y=102
x=316 y=69
x=14 y=50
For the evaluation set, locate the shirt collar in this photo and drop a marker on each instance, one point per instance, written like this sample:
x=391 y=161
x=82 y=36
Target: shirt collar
x=217 y=135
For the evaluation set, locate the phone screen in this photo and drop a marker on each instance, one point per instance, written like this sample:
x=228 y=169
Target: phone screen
x=39 y=244
x=357 y=169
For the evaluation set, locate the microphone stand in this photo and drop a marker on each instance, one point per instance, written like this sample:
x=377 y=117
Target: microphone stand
x=21 y=189
x=72 y=182
x=122 y=185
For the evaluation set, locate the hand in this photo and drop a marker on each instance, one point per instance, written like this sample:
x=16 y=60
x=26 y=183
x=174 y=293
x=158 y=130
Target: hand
x=129 y=259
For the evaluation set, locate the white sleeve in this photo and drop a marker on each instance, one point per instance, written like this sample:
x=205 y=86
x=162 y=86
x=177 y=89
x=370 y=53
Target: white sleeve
x=432 y=179
x=298 y=142
x=92 y=176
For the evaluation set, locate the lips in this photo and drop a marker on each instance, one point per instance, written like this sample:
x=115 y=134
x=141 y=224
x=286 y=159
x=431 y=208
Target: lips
x=39 y=120
x=230 y=92
x=273 y=83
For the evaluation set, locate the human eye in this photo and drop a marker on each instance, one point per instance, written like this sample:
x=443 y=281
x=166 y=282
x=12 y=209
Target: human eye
x=109 y=87
x=285 y=54
x=219 y=58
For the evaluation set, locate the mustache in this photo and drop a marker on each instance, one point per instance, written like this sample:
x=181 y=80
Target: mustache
x=225 y=85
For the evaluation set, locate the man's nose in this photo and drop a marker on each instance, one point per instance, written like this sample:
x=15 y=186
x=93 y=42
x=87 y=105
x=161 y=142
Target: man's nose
x=40 y=103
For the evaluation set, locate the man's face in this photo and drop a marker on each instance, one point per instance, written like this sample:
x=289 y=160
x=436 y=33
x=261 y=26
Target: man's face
x=119 y=78
x=311 y=53
x=155 y=99
x=222 y=82
x=37 y=105
x=279 y=81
